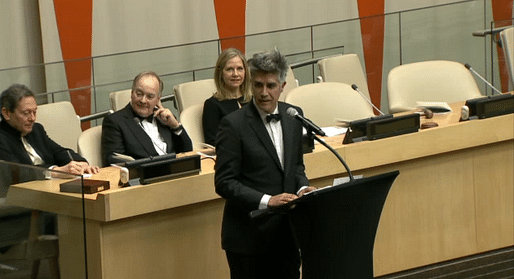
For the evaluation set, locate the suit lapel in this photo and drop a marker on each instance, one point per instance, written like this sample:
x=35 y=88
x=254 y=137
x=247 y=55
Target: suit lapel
x=287 y=123
x=137 y=130
x=256 y=123
x=166 y=134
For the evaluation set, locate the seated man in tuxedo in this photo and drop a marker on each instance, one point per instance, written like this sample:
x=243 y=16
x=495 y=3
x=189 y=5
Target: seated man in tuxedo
x=24 y=141
x=144 y=127
x=260 y=164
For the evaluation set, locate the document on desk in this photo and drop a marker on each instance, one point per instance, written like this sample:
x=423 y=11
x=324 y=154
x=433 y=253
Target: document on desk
x=334 y=131
x=435 y=107
x=337 y=181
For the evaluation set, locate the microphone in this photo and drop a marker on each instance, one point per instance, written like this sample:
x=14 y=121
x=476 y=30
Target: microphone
x=354 y=87
x=483 y=79
x=306 y=122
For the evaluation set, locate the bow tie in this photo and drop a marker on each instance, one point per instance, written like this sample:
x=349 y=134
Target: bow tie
x=269 y=117
x=148 y=118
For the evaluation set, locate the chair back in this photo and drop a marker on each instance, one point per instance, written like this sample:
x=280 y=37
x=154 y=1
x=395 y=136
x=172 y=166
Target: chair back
x=61 y=123
x=191 y=119
x=325 y=103
x=194 y=92
x=429 y=81
x=507 y=39
x=346 y=69
x=90 y=145
x=119 y=99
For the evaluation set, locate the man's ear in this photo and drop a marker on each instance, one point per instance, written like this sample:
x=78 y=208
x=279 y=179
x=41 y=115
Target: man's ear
x=6 y=114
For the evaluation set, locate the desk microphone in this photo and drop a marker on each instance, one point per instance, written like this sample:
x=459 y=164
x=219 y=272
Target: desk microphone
x=483 y=79
x=306 y=122
x=354 y=87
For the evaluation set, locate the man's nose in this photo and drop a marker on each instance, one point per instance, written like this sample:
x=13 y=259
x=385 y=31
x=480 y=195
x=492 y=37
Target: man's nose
x=264 y=90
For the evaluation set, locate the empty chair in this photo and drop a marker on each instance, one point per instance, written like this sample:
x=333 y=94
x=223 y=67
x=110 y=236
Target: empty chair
x=346 y=69
x=89 y=145
x=61 y=123
x=191 y=119
x=291 y=83
x=325 y=103
x=194 y=92
x=507 y=38
x=429 y=81
x=119 y=99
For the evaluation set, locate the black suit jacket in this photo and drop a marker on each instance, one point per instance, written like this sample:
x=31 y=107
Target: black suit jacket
x=12 y=149
x=122 y=134
x=247 y=167
x=213 y=112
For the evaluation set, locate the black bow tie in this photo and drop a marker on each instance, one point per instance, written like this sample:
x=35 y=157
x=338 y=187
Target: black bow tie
x=148 y=118
x=269 y=117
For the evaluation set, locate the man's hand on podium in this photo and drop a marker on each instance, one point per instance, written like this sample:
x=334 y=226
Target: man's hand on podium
x=281 y=199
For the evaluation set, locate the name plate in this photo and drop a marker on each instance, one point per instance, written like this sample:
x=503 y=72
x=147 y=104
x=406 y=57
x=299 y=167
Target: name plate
x=490 y=106
x=383 y=126
x=358 y=128
x=391 y=127
x=168 y=169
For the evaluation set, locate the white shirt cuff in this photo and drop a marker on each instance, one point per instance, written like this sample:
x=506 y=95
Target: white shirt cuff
x=264 y=201
x=48 y=173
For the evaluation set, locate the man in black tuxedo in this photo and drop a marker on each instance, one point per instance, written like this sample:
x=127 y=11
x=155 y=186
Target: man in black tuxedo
x=144 y=127
x=260 y=164
x=24 y=141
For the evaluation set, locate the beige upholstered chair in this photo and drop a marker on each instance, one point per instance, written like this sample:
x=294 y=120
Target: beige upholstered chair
x=61 y=123
x=191 y=119
x=291 y=83
x=194 y=92
x=507 y=38
x=346 y=69
x=429 y=81
x=325 y=103
x=89 y=145
x=119 y=99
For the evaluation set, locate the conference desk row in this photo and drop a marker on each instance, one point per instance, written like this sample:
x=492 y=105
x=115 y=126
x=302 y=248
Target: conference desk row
x=454 y=197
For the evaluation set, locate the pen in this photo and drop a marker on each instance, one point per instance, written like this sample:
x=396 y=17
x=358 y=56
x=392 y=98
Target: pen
x=69 y=155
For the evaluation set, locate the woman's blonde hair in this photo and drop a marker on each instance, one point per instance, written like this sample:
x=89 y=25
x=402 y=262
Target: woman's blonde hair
x=245 y=87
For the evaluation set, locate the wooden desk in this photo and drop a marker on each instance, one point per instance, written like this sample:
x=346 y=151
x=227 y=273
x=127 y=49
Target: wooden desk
x=454 y=197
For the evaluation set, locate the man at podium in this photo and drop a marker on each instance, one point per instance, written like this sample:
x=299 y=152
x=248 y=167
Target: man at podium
x=260 y=164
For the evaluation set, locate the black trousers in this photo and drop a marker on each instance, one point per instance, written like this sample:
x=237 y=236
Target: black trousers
x=283 y=265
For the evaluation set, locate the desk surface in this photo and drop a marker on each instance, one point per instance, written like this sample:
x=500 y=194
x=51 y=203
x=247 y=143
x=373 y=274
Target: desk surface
x=455 y=187
x=118 y=203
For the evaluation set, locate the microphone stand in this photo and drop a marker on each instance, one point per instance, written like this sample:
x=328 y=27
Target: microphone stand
x=350 y=175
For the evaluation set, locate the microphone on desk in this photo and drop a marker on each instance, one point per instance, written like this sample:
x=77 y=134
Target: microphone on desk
x=354 y=87
x=305 y=122
x=483 y=79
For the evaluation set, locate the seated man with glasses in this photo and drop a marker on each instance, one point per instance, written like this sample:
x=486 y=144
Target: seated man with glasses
x=144 y=127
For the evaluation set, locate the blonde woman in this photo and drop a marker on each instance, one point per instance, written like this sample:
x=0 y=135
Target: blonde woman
x=232 y=80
